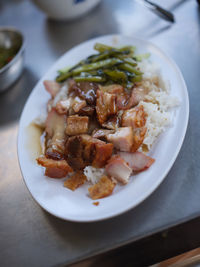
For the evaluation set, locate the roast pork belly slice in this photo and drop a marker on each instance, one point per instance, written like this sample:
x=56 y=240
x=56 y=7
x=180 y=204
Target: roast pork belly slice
x=119 y=169
x=101 y=189
x=112 y=123
x=137 y=161
x=52 y=87
x=54 y=168
x=127 y=101
x=138 y=138
x=97 y=151
x=74 y=181
x=139 y=94
x=134 y=117
x=101 y=133
x=55 y=135
x=78 y=104
x=113 y=89
x=102 y=154
x=63 y=106
x=85 y=90
x=85 y=150
x=87 y=111
x=73 y=152
x=105 y=106
x=122 y=139
x=77 y=125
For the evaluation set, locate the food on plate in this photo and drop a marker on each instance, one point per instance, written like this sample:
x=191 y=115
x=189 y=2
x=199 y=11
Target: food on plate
x=103 y=117
x=74 y=181
x=103 y=188
x=7 y=54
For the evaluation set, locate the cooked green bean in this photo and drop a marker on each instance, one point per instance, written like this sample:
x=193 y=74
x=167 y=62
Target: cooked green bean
x=108 y=54
x=101 y=47
x=129 y=68
x=64 y=76
x=64 y=70
x=130 y=61
x=137 y=78
x=116 y=75
x=97 y=65
x=109 y=65
x=104 y=63
x=97 y=79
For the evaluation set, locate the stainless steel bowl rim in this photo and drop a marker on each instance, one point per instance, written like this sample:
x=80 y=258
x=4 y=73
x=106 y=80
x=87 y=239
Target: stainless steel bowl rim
x=21 y=50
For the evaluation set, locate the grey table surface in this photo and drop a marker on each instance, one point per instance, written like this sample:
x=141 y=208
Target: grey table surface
x=29 y=236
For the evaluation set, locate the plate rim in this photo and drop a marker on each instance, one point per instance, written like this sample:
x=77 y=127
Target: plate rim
x=157 y=183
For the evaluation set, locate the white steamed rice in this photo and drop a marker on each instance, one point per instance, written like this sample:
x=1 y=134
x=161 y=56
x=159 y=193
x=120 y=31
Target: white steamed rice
x=93 y=174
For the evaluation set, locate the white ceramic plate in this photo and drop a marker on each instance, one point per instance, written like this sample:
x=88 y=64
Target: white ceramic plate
x=77 y=206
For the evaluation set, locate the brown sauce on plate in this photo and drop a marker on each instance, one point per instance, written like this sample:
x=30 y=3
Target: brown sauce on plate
x=35 y=140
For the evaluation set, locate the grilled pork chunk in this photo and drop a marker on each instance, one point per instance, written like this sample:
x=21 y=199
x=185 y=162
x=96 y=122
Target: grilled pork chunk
x=55 y=135
x=77 y=125
x=105 y=106
x=119 y=169
x=134 y=117
x=52 y=87
x=101 y=189
x=137 y=161
x=54 y=168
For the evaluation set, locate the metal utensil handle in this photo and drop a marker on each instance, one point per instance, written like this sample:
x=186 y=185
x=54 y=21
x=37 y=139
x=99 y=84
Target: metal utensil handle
x=165 y=14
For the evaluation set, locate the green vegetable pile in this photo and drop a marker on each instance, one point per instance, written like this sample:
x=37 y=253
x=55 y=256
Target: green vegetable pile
x=110 y=65
x=7 y=54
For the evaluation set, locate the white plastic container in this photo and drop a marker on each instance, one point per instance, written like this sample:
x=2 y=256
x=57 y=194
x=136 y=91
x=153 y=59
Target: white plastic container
x=65 y=9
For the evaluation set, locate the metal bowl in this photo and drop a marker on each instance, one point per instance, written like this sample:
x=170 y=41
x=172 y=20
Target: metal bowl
x=10 y=37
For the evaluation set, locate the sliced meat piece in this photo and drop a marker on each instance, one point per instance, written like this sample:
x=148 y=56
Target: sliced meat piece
x=74 y=146
x=78 y=104
x=54 y=168
x=122 y=101
x=73 y=152
x=97 y=151
x=138 y=94
x=127 y=101
x=85 y=90
x=122 y=139
x=89 y=149
x=52 y=87
x=63 y=106
x=87 y=111
x=77 y=125
x=138 y=138
x=112 y=123
x=61 y=95
x=84 y=150
x=71 y=83
x=105 y=106
x=77 y=163
x=93 y=125
x=55 y=135
x=102 y=154
x=137 y=161
x=101 y=133
x=74 y=181
x=101 y=189
x=135 y=117
x=116 y=89
x=119 y=169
